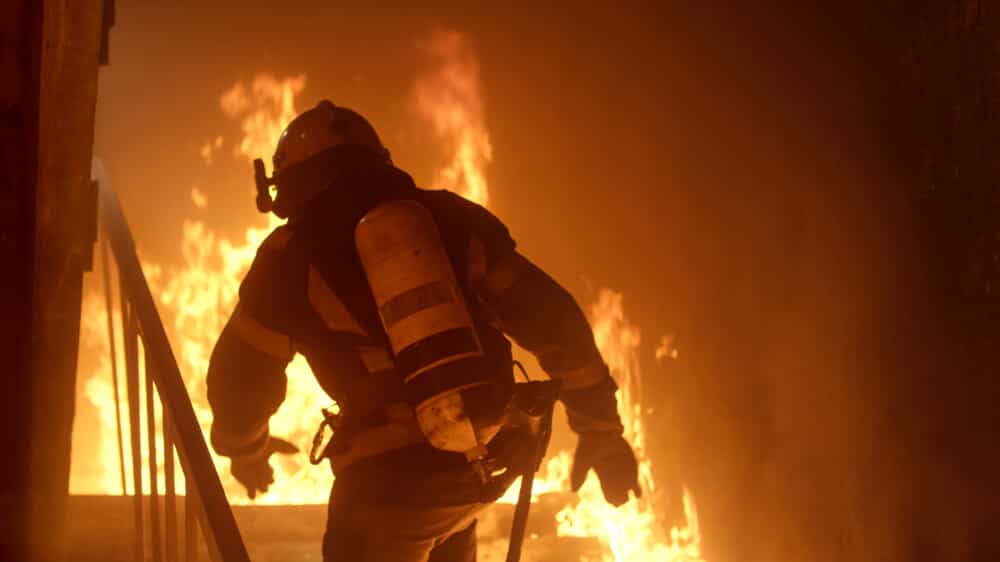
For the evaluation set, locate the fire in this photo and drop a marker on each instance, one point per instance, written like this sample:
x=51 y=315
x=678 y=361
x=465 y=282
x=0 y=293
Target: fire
x=667 y=349
x=449 y=98
x=200 y=297
x=264 y=110
x=197 y=298
x=629 y=532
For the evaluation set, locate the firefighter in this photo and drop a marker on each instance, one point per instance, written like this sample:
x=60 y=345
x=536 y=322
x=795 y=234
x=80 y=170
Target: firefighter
x=410 y=478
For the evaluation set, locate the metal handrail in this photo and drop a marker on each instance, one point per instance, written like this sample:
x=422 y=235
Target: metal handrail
x=205 y=495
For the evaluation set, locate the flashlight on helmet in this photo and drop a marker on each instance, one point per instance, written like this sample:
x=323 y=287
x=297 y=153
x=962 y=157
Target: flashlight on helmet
x=264 y=183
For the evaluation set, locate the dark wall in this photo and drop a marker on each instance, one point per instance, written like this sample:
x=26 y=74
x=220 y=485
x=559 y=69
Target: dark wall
x=66 y=228
x=948 y=402
x=840 y=400
x=49 y=81
x=21 y=33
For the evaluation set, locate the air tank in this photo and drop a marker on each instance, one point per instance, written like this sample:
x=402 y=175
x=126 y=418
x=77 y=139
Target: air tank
x=423 y=311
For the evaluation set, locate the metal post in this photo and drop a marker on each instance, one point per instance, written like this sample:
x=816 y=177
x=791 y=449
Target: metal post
x=170 y=492
x=113 y=356
x=129 y=335
x=154 y=491
x=190 y=525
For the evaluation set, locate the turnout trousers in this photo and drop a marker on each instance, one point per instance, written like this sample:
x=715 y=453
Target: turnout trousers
x=362 y=531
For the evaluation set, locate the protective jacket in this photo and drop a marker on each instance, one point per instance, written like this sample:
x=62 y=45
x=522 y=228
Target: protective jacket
x=306 y=292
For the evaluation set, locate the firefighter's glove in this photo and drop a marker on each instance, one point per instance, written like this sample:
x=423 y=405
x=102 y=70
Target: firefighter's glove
x=612 y=459
x=254 y=471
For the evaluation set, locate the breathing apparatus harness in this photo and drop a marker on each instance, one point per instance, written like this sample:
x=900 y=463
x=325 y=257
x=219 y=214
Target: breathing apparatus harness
x=434 y=341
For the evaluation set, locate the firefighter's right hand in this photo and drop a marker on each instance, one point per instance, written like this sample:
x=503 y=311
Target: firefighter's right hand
x=612 y=459
x=255 y=472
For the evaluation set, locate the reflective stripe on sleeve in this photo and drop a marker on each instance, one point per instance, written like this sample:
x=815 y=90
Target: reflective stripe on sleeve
x=375 y=359
x=502 y=276
x=329 y=307
x=582 y=423
x=243 y=445
x=261 y=338
x=476 y=261
x=583 y=377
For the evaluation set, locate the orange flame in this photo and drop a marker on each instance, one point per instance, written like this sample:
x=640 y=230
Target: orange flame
x=629 y=532
x=265 y=108
x=449 y=98
x=202 y=294
x=198 y=298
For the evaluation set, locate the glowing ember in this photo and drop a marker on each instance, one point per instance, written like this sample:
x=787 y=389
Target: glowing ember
x=667 y=349
x=199 y=198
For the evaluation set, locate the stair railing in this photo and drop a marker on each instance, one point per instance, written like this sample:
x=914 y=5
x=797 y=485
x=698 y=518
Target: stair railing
x=205 y=503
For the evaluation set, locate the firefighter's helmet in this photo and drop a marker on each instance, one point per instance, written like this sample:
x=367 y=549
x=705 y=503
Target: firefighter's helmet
x=322 y=127
x=300 y=165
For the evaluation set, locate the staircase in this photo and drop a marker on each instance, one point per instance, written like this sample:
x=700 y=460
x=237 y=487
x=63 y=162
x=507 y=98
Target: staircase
x=166 y=526
x=162 y=526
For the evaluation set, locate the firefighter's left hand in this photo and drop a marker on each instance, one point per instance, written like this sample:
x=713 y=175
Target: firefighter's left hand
x=255 y=473
x=612 y=459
